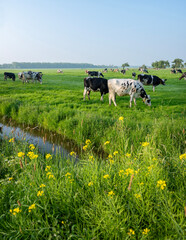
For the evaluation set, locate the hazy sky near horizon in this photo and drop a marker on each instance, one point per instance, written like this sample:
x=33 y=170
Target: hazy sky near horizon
x=92 y=31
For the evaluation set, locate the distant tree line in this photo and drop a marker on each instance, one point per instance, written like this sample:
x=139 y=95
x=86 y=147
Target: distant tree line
x=177 y=63
x=40 y=65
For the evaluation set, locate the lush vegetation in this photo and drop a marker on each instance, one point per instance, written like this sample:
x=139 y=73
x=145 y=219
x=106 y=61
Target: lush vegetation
x=135 y=192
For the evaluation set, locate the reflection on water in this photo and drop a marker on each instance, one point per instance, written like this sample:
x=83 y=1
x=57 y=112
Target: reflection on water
x=46 y=141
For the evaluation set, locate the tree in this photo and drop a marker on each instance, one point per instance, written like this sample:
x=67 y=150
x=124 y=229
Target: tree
x=177 y=63
x=161 y=64
x=125 y=65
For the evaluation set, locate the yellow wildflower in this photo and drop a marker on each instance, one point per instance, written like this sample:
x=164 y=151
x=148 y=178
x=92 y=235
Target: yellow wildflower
x=48 y=156
x=42 y=185
x=88 y=141
x=161 y=184
x=145 y=231
x=183 y=156
x=150 y=168
x=116 y=152
x=47 y=168
x=110 y=156
x=111 y=194
x=48 y=173
x=67 y=174
x=72 y=153
x=12 y=140
x=107 y=142
x=106 y=176
x=144 y=144
x=129 y=171
x=10 y=178
x=91 y=158
x=131 y=232
x=33 y=206
x=137 y=195
x=128 y=155
x=90 y=184
x=21 y=154
x=62 y=222
x=40 y=193
x=51 y=176
x=85 y=147
x=121 y=119
x=32 y=147
x=121 y=172
x=15 y=211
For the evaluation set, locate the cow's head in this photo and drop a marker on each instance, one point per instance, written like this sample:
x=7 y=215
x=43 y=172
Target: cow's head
x=147 y=100
x=163 y=81
x=39 y=77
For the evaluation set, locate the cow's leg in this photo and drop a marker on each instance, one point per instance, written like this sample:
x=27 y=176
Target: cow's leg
x=153 y=88
x=112 y=96
x=134 y=101
x=84 y=93
x=131 y=98
x=101 y=96
x=88 y=93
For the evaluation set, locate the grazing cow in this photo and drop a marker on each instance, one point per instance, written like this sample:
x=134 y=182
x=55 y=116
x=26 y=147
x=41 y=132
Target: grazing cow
x=145 y=70
x=151 y=80
x=133 y=74
x=34 y=76
x=9 y=75
x=123 y=71
x=179 y=71
x=94 y=74
x=123 y=87
x=95 y=84
x=19 y=75
x=183 y=76
x=173 y=71
x=59 y=71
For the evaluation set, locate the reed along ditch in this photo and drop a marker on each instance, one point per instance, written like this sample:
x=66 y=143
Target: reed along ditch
x=46 y=141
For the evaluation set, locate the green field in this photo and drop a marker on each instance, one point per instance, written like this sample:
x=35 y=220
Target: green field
x=144 y=147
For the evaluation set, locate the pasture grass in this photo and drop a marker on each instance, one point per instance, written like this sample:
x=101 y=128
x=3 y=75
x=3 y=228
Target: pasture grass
x=94 y=199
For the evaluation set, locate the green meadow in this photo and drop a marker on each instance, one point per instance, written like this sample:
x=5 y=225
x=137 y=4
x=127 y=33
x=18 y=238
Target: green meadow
x=137 y=191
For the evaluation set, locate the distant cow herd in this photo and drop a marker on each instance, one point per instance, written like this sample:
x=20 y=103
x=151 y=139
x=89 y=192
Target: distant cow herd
x=96 y=82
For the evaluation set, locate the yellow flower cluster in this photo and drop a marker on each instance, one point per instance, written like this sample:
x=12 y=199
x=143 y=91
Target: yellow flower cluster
x=144 y=144
x=116 y=152
x=40 y=193
x=137 y=196
x=49 y=174
x=131 y=232
x=32 y=147
x=128 y=155
x=47 y=168
x=129 y=171
x=42 y=185
x=106 y=176
x=107 y=142
x=161 y=184
x=21 y=154
x=146 y=231
x=31 y=155
x=91 y=158
x=48 y=156
x=33 y=206
x=68 y=175
x=12 y=140
x=121 y=119
x=11 y=178
x=88 y=142
x=90 y=184
x=183 y=156
x=73 y=154
x=15 y=211
x=111 y=194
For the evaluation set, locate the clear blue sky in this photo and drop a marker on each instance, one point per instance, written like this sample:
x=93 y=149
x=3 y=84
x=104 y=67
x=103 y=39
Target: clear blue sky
x=92 y=31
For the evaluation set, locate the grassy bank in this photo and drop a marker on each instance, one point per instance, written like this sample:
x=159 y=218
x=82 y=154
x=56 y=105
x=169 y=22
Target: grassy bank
x=127 y=196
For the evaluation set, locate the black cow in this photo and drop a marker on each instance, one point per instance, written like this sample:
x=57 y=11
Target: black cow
x=133 y=74
x=95 y=84
x=173 y=71
x=123 y=71
x=183 y=76
x=94 y=74
x=151 y=80
x=179 y=71
x=9 y=75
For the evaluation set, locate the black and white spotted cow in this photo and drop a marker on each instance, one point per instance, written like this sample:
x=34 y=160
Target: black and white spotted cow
x=9 y=75
x=34 y=76
x=133 y=75
x=179 y=71
x=94 y=74
x=151 y=80
x=95 y=84
x=173 y=71
x=123 y=87
x=123 y=71
x=183 y=76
